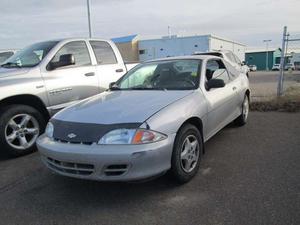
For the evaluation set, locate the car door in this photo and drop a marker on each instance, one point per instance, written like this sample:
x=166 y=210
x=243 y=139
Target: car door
x=69 y=84
x=221 y=101
x=110 y=67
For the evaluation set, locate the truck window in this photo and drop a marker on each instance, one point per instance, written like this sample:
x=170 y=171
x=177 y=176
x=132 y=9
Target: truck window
x=104 y=53
x=78 y=49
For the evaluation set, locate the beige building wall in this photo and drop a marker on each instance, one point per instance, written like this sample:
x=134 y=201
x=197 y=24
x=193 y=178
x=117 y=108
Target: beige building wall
x=129 y=51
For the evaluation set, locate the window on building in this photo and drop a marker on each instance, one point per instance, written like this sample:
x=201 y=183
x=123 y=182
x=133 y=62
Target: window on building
x=142 y=51
x=104 y=53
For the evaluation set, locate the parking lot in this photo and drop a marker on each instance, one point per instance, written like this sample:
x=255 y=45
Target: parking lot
x=249 y=175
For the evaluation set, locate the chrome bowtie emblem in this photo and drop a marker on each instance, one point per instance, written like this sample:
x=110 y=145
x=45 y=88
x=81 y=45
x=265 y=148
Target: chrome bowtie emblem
x=72 y=135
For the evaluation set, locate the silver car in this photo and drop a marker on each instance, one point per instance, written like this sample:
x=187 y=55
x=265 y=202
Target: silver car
x=154 y=119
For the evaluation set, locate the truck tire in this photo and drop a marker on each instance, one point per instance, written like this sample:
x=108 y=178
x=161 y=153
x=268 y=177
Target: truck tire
x=20 y=126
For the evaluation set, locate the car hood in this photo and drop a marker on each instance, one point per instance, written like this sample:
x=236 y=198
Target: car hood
x=118 y=107
x=5 y=72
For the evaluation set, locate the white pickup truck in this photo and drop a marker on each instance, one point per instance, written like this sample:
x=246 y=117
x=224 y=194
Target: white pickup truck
x=45 y=77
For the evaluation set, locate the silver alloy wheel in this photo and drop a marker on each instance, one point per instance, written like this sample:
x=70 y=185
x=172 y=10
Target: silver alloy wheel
x=21 y=131
x=245 y=108
x=189 y=153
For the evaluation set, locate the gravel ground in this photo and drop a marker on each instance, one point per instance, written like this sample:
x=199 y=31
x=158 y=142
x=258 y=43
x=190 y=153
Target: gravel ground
x=249 y=175
x=264 y=84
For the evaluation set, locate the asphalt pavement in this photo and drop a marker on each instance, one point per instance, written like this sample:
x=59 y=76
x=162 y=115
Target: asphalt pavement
x=249 y=175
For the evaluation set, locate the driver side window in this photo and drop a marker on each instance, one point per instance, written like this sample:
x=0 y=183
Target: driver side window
x=215 y=69
x=78 y=49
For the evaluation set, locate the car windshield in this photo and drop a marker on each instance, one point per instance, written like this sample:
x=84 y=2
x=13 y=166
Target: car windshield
x=162 y=75
x=29 y=56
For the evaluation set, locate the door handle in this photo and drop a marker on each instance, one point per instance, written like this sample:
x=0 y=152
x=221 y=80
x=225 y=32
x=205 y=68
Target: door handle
x=234 y=88
x=89 y=74
x=119 y=70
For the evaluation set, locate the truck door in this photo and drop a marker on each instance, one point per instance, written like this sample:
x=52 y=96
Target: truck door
x=110 y=66
x=68 y=84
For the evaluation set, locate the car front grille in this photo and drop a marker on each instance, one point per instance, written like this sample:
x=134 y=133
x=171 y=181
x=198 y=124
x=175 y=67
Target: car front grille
x=70 y=168
x=115 y=170
x=72 y=142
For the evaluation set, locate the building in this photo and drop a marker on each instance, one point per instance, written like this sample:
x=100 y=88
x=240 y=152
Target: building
x=128 y=47
x=174 y=45
x=259 y=57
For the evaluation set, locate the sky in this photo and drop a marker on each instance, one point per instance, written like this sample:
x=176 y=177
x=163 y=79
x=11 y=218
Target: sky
x=23 y=22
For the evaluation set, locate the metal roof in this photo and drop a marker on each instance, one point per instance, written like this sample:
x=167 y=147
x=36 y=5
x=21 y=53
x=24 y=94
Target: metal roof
x=124 y=39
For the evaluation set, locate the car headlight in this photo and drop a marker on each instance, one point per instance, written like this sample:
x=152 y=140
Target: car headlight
x=49 y=130
x=131 y=136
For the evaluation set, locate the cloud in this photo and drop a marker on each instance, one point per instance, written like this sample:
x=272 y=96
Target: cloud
x=24 y=22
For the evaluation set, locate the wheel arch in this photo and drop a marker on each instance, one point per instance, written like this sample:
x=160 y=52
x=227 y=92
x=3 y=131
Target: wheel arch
x=197 y=122
x=26 y=99
x=248 y=93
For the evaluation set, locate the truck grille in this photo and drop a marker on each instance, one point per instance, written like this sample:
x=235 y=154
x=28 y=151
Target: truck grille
x=71 y=168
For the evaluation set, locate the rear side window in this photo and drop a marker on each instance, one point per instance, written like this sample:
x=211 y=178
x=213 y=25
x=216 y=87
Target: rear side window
x=230 y=57
x=78 y=49
x=104 y=53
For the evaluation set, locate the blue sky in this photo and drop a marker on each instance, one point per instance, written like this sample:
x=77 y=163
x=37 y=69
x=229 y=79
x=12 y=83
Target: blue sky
x=24 y=22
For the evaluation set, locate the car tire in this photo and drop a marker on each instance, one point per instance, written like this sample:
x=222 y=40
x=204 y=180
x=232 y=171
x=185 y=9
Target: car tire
x=242 y=119
x=187 y=153
x=20 y=125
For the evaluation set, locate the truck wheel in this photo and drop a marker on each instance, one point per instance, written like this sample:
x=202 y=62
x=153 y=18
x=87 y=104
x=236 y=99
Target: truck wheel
x=187 y=152
x=20 y=126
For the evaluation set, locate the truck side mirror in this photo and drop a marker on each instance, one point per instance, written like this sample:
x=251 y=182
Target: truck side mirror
x=64 y=60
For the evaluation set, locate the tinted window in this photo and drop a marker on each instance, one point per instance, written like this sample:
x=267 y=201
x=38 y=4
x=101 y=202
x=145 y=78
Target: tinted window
x=5 y=55
x=215 y=69
x=78 y=49
x=104 y=53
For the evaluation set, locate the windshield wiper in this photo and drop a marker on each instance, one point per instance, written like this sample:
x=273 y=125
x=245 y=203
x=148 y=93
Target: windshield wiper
x=11 y=64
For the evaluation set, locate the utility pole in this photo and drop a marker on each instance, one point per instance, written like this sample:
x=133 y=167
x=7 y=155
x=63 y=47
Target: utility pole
x=282 y=62
x=89 y=17
x=267 y=53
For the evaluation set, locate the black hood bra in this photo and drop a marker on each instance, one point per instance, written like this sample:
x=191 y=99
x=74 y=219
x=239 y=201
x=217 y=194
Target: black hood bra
x=85 y=132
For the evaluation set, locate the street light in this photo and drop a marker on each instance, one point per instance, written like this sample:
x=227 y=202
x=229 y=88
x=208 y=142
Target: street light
x=267 y=51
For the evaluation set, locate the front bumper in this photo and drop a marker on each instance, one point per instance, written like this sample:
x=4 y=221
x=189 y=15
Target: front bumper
x=106 y=162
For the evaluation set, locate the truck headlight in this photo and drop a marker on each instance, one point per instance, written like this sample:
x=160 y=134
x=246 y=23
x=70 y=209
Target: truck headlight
x=131 y=136
x=49 y=130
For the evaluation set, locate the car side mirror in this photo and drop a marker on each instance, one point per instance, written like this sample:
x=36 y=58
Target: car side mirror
x=243 y=63
x=64 y=60
x=111 y=85
x=215 y=83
